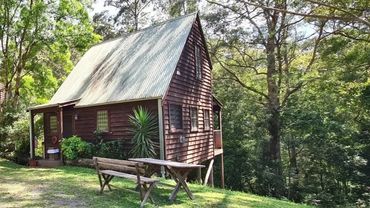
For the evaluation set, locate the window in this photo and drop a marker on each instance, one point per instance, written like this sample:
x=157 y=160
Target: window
x=194 y=119
x=53 y=124
x=206 y=120
x=102 y=121
x=175 y=116
x=198 y=62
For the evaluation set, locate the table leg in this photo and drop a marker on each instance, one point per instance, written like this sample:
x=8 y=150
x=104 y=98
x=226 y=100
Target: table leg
x=180 y=181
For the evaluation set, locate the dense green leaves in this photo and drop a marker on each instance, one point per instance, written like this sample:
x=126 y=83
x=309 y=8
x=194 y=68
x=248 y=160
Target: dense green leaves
x=40 y=41
x=144 y=128
x=301 y=64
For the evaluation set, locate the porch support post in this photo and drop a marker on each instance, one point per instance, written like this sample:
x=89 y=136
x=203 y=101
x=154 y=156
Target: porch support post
x=209 y=173
x=161 y=134
x=60 y=131
x=222 y=171
x=222 y=155
x=60 y=123
x=220 y=121
x=32 y=137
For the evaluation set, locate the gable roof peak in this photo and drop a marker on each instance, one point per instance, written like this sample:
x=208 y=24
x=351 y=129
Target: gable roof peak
x=125 y=35
x=138 y=66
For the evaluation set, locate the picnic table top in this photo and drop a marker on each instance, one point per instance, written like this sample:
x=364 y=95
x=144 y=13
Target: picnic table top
x=166 y=163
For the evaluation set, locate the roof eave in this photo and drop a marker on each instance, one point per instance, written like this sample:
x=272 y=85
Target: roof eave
x=118 y=102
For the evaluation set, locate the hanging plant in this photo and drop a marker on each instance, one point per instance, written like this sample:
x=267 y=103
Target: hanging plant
x=144 y=128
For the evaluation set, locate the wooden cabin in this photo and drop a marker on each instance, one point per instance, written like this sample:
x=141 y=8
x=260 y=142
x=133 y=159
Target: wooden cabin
x=164 y=68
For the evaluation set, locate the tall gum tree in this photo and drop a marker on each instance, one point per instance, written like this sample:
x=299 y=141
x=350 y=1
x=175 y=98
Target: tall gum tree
x=270 y=44
x=277 y=43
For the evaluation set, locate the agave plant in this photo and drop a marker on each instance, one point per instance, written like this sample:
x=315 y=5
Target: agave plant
x=144 y=127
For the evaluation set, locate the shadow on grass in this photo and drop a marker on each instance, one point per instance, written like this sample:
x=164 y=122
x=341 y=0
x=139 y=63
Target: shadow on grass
x=69 y=186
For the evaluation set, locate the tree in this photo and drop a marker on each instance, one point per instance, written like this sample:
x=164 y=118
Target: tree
x=130 y=15
x=40 y=42
x=267 y=42
x=34 y=32
x=177 y=8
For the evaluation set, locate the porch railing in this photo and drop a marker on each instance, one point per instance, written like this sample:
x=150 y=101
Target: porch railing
x=217 y=135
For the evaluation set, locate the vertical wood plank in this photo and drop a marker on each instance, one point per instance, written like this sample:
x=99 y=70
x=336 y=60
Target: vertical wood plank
x=32 y=136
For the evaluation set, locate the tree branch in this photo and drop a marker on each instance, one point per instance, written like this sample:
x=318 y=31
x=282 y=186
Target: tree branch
x=321 y=3
x=318 y=16
x=237 y=79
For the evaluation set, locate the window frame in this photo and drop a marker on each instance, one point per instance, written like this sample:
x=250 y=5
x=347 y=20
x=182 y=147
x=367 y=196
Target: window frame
x=97 y=121
x=194 y=129
x=174 y=129
x=209 y=119
x=198 y=62
x=53 y=131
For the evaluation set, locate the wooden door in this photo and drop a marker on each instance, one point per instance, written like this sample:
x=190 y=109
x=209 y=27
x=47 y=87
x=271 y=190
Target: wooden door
x=51 y=131
x=67 y=123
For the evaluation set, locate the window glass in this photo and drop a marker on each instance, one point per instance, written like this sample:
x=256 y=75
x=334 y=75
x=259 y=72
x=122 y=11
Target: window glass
x=102 y=121
x=206 y=120
x=194 y=119
x=175 y=116
x=53 y=124
x=198 y=62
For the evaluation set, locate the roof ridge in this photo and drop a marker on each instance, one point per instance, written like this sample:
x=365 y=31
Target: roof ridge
x=146 y=28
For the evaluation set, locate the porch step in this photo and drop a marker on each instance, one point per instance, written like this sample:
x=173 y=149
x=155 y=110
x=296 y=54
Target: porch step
x=49 y=163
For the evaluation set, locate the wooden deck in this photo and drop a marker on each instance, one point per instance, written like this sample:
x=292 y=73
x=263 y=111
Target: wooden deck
x=219 y=151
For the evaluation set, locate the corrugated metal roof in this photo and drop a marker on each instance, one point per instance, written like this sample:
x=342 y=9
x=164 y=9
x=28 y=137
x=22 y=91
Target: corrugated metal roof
x=137 y=66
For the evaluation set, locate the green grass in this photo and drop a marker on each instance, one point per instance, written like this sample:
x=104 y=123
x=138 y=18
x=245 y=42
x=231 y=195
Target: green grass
x=78 y=187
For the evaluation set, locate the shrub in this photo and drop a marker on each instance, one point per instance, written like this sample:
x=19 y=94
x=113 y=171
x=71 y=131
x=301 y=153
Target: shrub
x=111 y=149
x=17 y=144
x=145 y=128
x=74 y=147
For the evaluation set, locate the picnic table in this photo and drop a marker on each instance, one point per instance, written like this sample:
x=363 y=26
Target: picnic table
x=178 y=170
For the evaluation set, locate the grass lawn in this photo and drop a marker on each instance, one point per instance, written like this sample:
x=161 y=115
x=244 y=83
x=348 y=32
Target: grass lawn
x=78 y=187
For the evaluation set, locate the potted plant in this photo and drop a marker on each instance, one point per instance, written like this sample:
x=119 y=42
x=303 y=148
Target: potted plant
x=32 y=162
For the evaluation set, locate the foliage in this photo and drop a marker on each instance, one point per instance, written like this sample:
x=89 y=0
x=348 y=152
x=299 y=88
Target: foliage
x=315 y=81
x=124 y=17
x=40 y=42
x=111 y=149
x=99 y=136
x=145 y=128
x=74 y=147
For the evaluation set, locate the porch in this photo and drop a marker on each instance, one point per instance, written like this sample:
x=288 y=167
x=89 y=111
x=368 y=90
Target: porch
x=217 y=146
x=57 y=124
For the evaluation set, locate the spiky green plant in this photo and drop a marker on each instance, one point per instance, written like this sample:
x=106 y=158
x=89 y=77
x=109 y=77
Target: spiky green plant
x=144 y=127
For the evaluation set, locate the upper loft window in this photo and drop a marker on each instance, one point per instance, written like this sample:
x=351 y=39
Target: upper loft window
x=207 y=121
x=175 y=117
x=53 y=124
x=194 y=119
x=198 y=62
x=102 y=121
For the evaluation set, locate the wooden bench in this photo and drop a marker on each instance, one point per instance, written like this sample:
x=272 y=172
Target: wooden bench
x=107 y=169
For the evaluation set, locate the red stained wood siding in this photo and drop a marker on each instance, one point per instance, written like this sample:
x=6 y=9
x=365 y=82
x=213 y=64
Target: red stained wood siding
x=118 y=114
x=187 y=91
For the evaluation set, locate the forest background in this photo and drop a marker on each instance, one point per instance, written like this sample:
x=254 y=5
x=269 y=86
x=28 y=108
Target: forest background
x=293 y=77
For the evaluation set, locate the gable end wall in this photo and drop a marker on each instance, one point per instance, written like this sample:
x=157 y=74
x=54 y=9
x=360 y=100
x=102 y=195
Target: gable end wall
x=187 y=91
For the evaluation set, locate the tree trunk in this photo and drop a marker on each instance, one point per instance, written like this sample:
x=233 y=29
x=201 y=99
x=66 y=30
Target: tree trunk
x=273 y=105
